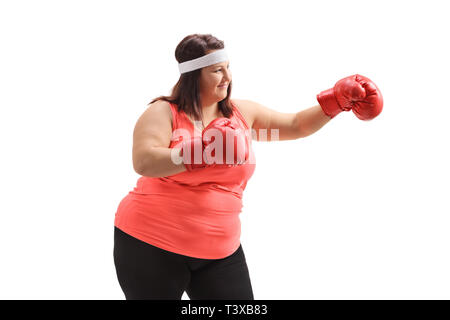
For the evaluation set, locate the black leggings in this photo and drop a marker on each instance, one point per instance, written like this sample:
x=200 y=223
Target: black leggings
x=148 y=272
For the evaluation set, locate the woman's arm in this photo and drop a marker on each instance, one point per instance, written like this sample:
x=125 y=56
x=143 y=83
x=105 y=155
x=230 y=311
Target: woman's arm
x=270 y=125
x=160 y=163
x=310 y=120
x=152 y=156
x=356 y=93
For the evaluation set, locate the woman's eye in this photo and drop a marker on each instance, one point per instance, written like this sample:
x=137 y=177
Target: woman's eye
x=221 y=69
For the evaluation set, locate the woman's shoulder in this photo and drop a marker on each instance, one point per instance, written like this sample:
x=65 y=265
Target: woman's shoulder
x=160 y=109
x=161 y=105
x=244 y=107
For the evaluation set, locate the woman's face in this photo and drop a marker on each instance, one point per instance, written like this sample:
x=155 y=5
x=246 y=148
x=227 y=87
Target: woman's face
x=212 y=78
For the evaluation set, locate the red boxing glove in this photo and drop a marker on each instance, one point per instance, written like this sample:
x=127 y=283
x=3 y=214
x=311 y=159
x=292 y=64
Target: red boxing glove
x=229 y=146
x=357 y=93
x=192 y=153
x=221 y=144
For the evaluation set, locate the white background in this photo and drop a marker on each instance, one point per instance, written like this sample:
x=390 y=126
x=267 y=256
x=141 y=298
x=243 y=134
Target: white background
x=356 y=211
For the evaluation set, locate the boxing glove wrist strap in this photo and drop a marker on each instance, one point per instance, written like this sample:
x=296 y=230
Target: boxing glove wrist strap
x=192 y=154
x=328 y=102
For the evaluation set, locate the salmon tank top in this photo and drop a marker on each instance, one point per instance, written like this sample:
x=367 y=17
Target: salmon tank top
x=196 y=213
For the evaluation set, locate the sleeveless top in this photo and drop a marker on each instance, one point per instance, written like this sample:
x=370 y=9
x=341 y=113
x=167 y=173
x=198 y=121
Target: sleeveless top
x=196 y=213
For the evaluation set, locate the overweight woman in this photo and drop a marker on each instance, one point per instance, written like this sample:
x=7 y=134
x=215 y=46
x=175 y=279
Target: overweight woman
x=178 y=230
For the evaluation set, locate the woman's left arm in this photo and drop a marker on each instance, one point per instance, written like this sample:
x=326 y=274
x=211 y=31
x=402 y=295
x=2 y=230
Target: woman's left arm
x=310 y=120
x=270 y=125
x=356 y=93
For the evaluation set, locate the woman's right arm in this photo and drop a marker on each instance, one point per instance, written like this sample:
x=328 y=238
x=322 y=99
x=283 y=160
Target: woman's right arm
x=152 y=134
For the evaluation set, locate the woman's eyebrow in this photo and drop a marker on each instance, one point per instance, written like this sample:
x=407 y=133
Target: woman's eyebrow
x=219 y=66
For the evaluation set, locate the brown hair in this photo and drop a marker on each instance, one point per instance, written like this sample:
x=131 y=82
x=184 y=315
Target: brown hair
x=185 y=93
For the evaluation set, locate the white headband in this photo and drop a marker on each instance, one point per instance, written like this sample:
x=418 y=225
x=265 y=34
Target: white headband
x=206 y=60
